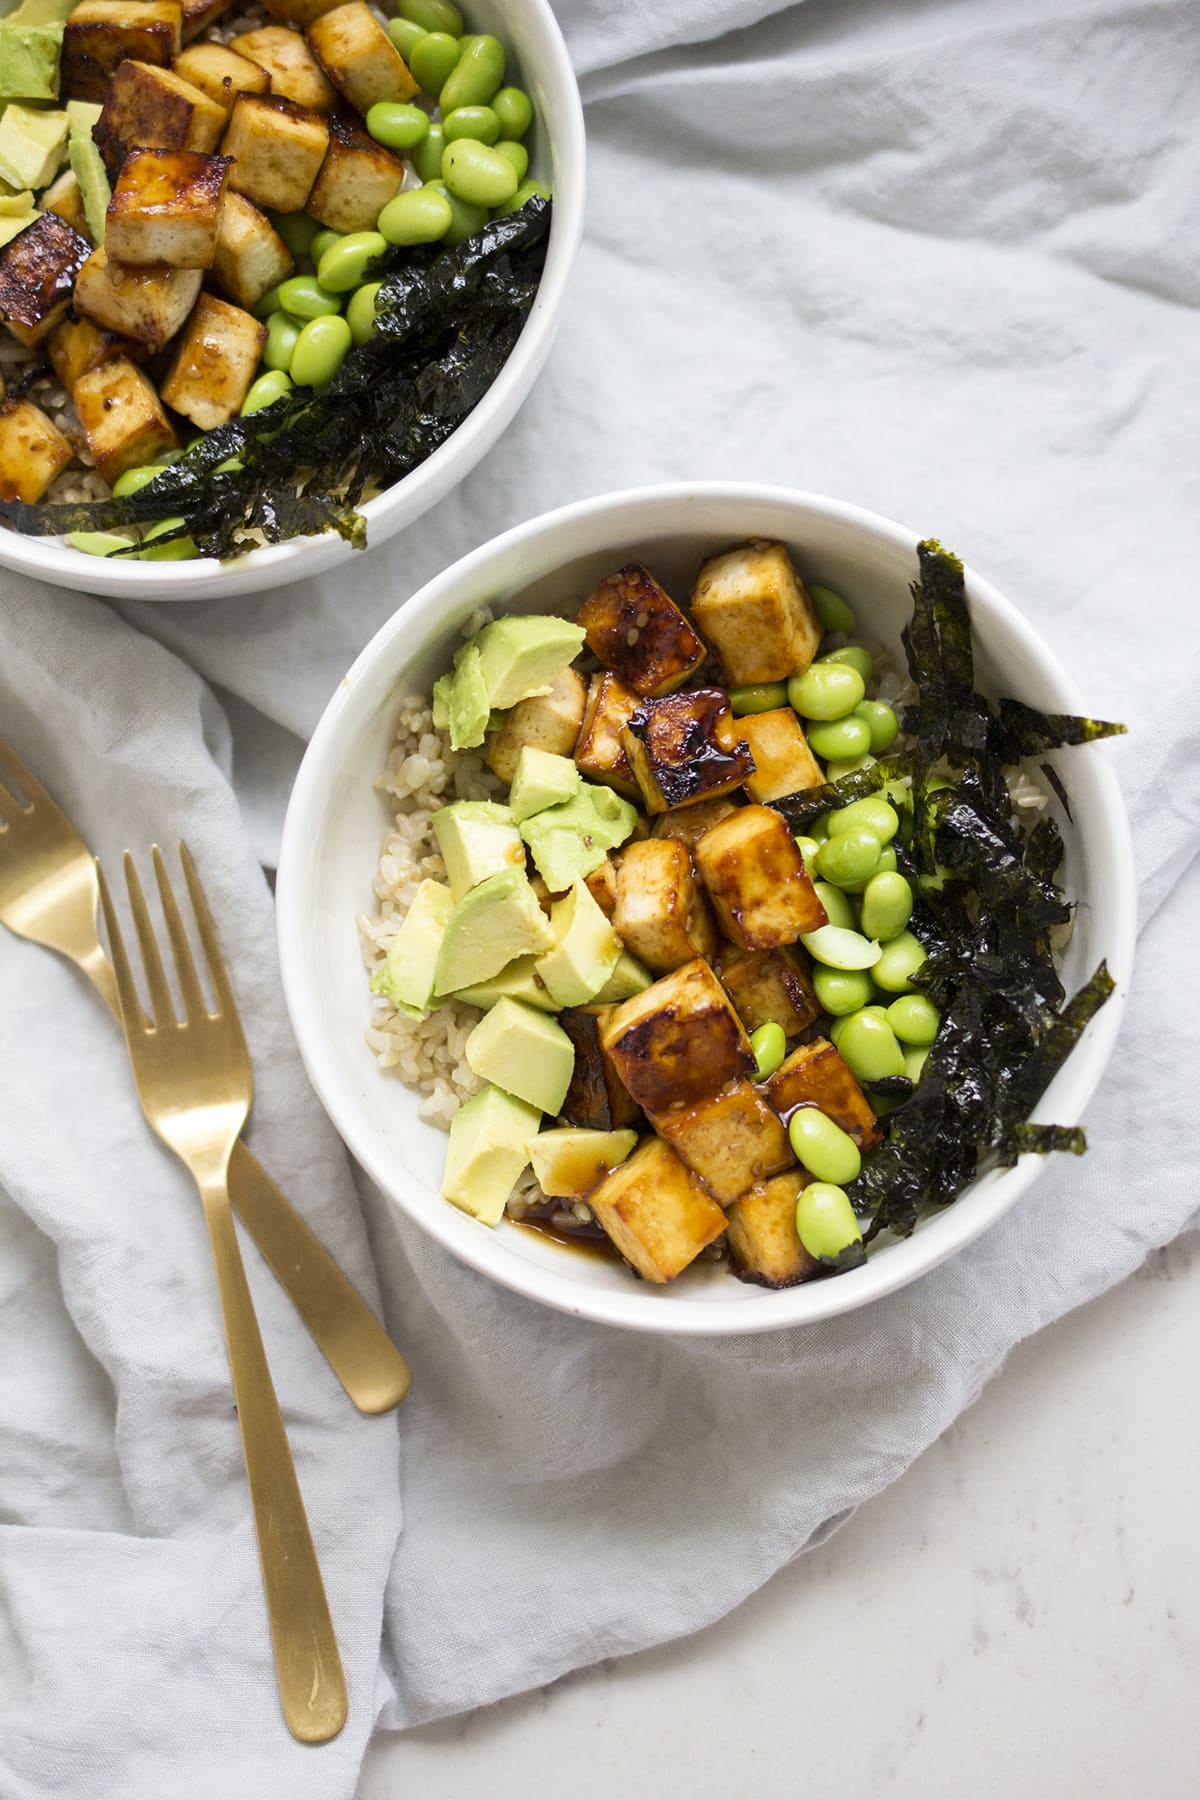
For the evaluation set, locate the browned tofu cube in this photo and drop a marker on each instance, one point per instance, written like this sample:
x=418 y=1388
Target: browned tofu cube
x=689 y=823
x=752 y=608
x=685 y=748
x=299 y=12
x=597 y=1097
x=215 y=363
x=783 y=762
x=78 y=346
x=157 y=110
x=755 y=875
x=38 y=270
x=148 y=305
x=278 y=149
x=768 y=986
x=221 y=74
x=122 y=418
x=601 y=884
x=165 y=208
x=656 y=1212
x=251 y=256
x=64 y=197
x=359 y=57
x=599 y=752
x=357 y=179
x=100 y=34
x=763 y=1243
x=549 y=722
x=294 y=70
x=677 y=1042
x=815 y=1075
x=33 y=451
x=661 y=914
x=635 y=629
x=198 y=15
x=731 y=1140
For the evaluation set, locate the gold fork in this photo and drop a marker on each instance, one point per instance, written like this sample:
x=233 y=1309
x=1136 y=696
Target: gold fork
x=194 y=1081
x=48 y=894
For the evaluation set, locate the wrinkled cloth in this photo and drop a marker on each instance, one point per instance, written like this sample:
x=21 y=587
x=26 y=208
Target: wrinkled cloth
x=934 y=258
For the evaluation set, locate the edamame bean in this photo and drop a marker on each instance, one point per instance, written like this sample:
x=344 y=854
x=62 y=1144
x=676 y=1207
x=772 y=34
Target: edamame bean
x=887 y=905
x=478 y=175
x=839 y=948
x=824 y=1148
x=97 y=543
x=516 y=154
x=899 y=960
x=851 y=856
x=769 y=1044
x=477 y=122
x=406 y=35
x=344 y=264
x=267 y=303
x=837 y=767
x=808 y=848
x=305 y=298
x=320 y=351
x=839 y=1025
x=265 y=392
x=282 y=333
x=324 y=240
x=914 y=1019
x=427 y=157
x=514 y=109
x=868 y=1045
x=836 y=905
x=914 y=1062
x=528 y=190
x=933 y=884
x=360 y=312
x=827 y=691
x=397 y=125
x=818 y=828
x=433 y=15
x=825 y=1221
x=842 y=991
x=465 y=219
x=179 y=549
x=872 y=814
x=134 y=480
x=837 y=739
x=853 y=656
x=831 y=609
x=885 y=865
x=433 y=60
x=421 y=216
x=762 y=696
x=881 y=722
x=296 y=229
x=477 y=74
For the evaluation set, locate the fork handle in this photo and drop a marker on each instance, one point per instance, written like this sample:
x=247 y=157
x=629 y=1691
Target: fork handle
x=312 y=1687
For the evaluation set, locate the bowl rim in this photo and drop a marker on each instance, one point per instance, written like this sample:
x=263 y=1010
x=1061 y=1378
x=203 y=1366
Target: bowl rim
x=297 y=559
x=992 y=1195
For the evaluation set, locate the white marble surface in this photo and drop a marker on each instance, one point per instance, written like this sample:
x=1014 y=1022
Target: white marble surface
x=1016 y=1617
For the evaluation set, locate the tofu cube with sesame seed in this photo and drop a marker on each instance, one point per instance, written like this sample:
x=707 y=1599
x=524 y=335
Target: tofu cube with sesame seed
x=38 y=271
x=221 y=73
x=635 y=629
x=768 y=987
x=730 y=1141
x=122 y=418
x=656 y=1212
x=78 y=346
x=251 y=257
x=764 y=1246
x=101 y=34
x=165 y=208
x=215 y=362
x=599 y=752
x=278 y=149
x=686 y=748
x=783 y=762
x=816 y=1074
x=148 y=305
x=155 y=109
x=678 y=1041
x=33 y=451
x=357 y=179
x=661 y=914
x=755 y=875
x=751 y=606
x=294 y=70
x=359 y=57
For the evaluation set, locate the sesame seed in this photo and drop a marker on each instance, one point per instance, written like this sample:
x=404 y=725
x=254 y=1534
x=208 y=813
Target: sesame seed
x=631 y=637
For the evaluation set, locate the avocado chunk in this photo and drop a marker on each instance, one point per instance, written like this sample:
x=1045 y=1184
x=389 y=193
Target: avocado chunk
x=570 y=840
x=628 y=978
x=460 y=700
x=524 y=1051
x=490 y=926
x=12 y=224
x=569 y=1161
x=88 y=166
x=406 y=978
x=489 y=1146
x=524 y=656
x=586 y=949
x=29 y=60
x=42 y=12
x=31 y=146
x=541 y=779
x=519 y=981
x=477 y=838
x=82 y=115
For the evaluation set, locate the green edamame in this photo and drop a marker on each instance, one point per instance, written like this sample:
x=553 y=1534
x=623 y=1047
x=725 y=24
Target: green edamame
x=824 y=1148
x=267 y=303
x=838 y=740
x=850 y=856
x=839 y=948
x=476 y=174
x=427 y=157
x=296 y=229
x=265 y=392
x=899 y=960
x=97 y=543
x=323 y=241
x=825 y=1221
x=839 y=1025
x=914 y=1062
x=831 y=609
x=421 y=216
x=179 y=549
x=853 y=656
x=305 y=298
x=842 y=991
x=818 y=828
x=433 y=15
x=134 y=480
x=477 y=75
x=476 y=122
x=762 y=696
x=516 y=154
x=881 y=722
x=914 y=1019
x=282 y=333
x=514 y=109
x=360 y=312
x=433 y=60
x=528 y=190
x=867 y=1044
x=885 y=865
x=405 y=35
x=769 y=1044
x=837 y=907
x=837 y=767
x=465 y=219
x=826 y=691
x=872 y=814
x=397 y=125
x=808 y=848
x=345 y=263
x=320 y=351
x=887 y=905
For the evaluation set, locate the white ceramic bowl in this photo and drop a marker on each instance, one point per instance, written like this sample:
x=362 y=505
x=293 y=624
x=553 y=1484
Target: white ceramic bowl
x=336 y=823
x=539 y=62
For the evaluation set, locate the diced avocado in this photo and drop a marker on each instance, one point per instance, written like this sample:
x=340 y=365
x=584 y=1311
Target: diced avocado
x=570 y=840
x=492 y=925
x=569 y=1162
x=16 y=206
x=541 y=780
x=489 y=1146
x=477 y=838
x=11 y=227
x=525 y=655
x=518 y=982
x=41 y=12
x=88 y=166
x=29 y=60
x=406 y=978
x=524 y=1051
x=460 y=700
x=31 y=146
x=81 y=116
x=586 y=949
x=627 y=979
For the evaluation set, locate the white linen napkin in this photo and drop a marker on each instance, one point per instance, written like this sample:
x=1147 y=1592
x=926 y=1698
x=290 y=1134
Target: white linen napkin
x=933 y=258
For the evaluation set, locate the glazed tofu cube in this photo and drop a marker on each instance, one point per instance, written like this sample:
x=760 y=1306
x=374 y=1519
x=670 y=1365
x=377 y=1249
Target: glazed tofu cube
x=689 y=823
x=755 y=875
x=768 y=986
x=299 y=12
x=601 y=884
x=677 y=1042
x=656 y=1212
x=731 y=1141
x=599 y=752
x=636 y=630
x=148 y=305
x=221 y=74
x=550 y=722
x=357 y=179
x=783 y=762
x=685 y=748
x=198 y=15
x=815 y=1075
x=751 y=606
x=64 y=198
x=215 y=363
x=122 y=418
x=251 y=257
x=662 y=915
x=100 y=34
x=38 y=270
x=294 y=70
x=33 y=451
x=156 y=110
x=597 y=1097
x=359 y=57
x=278 y=149
x=165 y=208
x=763 y=1245
x=78 y=346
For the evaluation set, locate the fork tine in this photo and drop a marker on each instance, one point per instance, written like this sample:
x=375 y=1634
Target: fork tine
x=15 y=772
x=162 y=1007
x=131 y=1006
x=226 y=1004
x=194 y=1004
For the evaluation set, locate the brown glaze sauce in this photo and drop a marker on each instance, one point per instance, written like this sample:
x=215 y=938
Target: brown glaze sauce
x=587 y=1240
